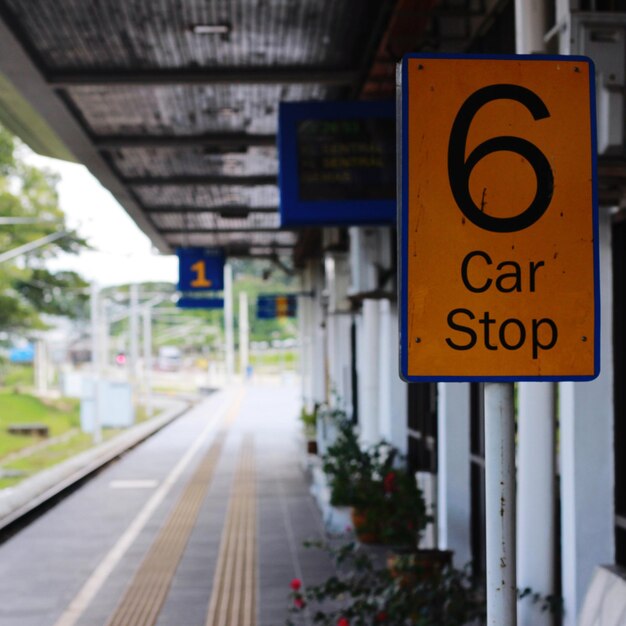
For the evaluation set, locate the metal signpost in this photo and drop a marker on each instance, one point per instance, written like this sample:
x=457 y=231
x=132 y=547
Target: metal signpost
x=498 y=247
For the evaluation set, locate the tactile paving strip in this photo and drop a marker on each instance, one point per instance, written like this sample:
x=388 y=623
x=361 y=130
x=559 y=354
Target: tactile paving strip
x=233 y=600
x=146 y=594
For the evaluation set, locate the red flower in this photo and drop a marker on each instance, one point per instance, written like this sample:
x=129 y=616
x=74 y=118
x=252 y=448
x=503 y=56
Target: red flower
x=343 y=622
x=299 y=602
x=295 y=584
x=381 y=616
x=389 y=482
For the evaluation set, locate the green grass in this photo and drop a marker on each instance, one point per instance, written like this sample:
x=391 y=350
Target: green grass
x=15 y=408
x=61 y=416
x=17 y=375
x=281 y=360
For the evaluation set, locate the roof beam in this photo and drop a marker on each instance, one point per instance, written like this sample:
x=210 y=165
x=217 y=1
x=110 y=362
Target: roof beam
x=194 y=179
x=296 y=75
x=216 y=140
x=220 y=231
x=195 y=210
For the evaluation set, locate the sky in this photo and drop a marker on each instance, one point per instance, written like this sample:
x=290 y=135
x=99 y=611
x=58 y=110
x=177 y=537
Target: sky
x=122 y=253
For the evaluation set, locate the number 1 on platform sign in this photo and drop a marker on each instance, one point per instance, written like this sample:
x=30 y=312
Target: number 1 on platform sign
x=200 y=281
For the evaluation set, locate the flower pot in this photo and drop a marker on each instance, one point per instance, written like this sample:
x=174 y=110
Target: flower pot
x=418 y=566
x=363 y=530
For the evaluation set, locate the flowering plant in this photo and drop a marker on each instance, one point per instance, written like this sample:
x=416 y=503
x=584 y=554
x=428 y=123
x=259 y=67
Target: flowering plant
x=364 y=593
x=389 y=507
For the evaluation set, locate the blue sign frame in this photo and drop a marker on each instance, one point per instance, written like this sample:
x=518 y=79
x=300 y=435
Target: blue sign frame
x=334 y=212
x=200 y=269
x=402 y=221
x=274 y=306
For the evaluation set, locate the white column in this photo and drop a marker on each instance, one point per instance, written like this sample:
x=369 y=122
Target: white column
x=536 y=485
x=535 y=498
x=500 y=504
x=453 y=475
x=587 y=460
x=95 y=362
x=392 y=391
x=368 y=364
x=147 y=358
x=228 y=322
x=531 y=24
x=133 y=334
x=41 y=367
x=243 y=333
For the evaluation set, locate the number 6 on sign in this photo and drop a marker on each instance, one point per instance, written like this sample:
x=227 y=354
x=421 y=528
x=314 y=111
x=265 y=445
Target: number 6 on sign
x=498 y=219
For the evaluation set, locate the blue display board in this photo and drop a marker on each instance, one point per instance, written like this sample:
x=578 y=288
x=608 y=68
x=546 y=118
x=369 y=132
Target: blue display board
x=337 y=163
x=272 y=306
x=23 y=354
x=200 y=269
x=200 y=303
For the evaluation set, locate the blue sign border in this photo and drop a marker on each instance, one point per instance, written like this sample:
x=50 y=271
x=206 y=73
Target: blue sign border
x=293 y=211
x=402 y=125
x=214 y=263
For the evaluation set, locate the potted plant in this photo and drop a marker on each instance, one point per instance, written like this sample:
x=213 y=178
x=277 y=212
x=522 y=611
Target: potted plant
x=387 y=505
x=366 y=593
x=309 y=420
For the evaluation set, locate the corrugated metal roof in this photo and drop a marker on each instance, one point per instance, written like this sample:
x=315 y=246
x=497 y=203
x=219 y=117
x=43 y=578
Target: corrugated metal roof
x=172 y=115
x=159 y=33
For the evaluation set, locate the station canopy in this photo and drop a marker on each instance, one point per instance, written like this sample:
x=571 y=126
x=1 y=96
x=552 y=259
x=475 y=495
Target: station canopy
x=172 y=104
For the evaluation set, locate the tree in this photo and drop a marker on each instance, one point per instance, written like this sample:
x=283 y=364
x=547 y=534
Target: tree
x=27 y=288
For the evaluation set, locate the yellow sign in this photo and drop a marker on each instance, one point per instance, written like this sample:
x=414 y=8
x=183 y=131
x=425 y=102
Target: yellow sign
x=498 y=230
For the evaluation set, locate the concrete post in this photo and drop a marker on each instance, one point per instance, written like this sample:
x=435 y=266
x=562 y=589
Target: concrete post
x=453 y=477
x=536 y=497
x=244 y=332
x=392 y=391
x=95 y=362
x=368 y=364
x=147 y=359
x=228 y=322
x=134 y=334
x=536 y=484
x=587 y=459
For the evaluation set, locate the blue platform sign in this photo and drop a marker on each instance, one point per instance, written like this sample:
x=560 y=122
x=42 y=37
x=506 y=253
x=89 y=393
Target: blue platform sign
x=200 y=269
x=337 y=163
x=272 y=306
x=186 y=302
x=22 y=354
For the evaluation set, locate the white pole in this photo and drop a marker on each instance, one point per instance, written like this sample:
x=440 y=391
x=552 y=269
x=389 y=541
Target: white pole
x=536 y=427
x=104 y=338
x=147 y=358
x=95 y=362
x=500 y=504
x=243 y=333
x=536 y=497
x=228 y=322
x=134 y=334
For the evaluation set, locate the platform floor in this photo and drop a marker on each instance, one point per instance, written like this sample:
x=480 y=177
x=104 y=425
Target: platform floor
x=201 y=525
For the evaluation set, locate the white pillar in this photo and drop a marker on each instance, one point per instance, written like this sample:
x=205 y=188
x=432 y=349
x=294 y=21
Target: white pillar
x=95 y=362
x=587 y=460
x=133 y=323
x=531 y=24
x=392 y=391
x=500 y=504
x=147 y=359
x=41 y=367
x=453 y=471
x=243 y=333
x=228 y=322
x=368 y=364
x=536 y=485
x=535 y=498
